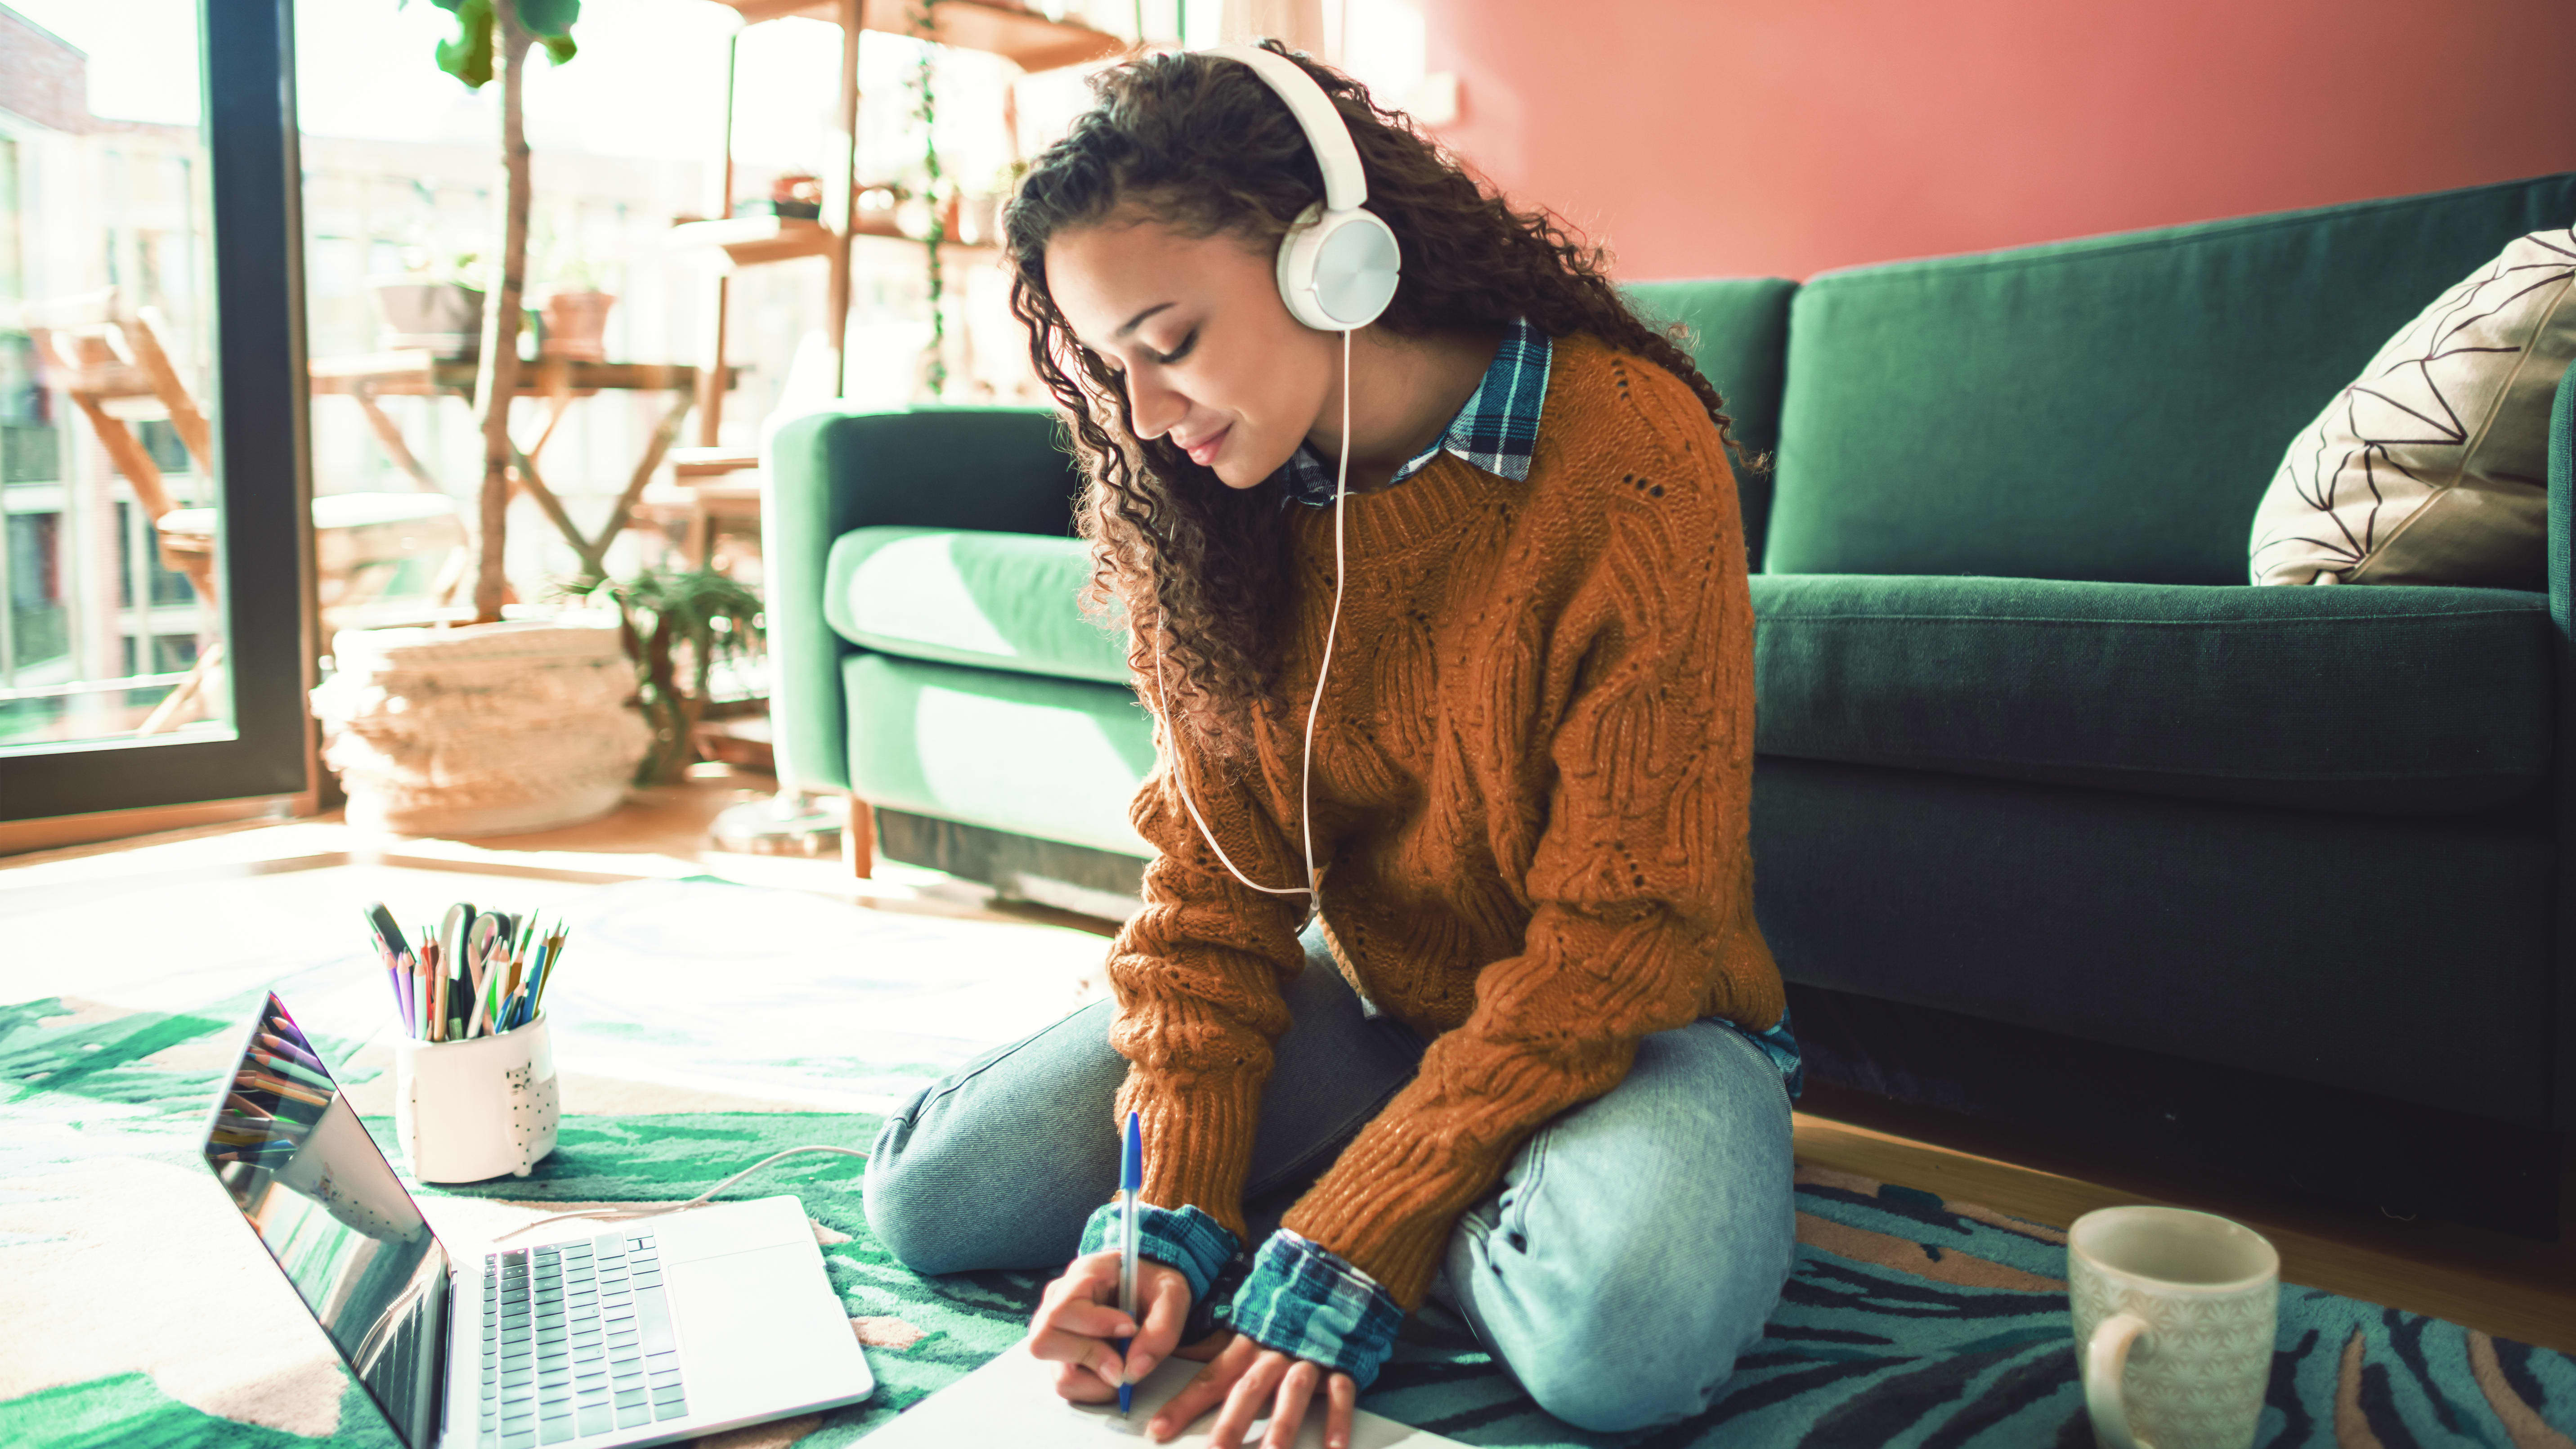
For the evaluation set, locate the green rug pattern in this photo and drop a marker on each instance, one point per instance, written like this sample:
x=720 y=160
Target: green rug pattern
x=1910 y=1320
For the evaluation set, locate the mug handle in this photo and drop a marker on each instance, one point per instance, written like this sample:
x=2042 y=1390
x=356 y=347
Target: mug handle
x=2106 y=1360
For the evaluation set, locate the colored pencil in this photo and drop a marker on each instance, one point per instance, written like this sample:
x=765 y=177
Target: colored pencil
x=440 y=976
x=545 y=976
x=444 y=988
x=513 y=971
x=482 y=972
x=279 y=1086
x=393 y=978
x=290 y=1069
x=290 y=1051
x=460 y=984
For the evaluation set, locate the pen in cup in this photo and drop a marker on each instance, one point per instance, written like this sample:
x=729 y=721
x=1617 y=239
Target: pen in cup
x=471 y=974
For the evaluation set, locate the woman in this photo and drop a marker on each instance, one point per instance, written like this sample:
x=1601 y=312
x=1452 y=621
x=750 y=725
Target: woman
x=1526 y=1053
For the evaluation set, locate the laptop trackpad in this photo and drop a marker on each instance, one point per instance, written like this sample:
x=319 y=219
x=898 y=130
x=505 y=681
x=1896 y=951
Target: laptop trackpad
x=762 y=1329
x=728 y=1228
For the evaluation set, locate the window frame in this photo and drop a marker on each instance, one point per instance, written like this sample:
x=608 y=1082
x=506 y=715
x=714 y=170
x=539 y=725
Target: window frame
x=256 y=401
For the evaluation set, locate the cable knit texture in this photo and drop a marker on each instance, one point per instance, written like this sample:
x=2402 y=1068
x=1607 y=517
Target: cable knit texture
x=1532 y=773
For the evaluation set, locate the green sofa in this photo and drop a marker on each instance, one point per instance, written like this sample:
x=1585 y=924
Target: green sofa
x=2056 y=819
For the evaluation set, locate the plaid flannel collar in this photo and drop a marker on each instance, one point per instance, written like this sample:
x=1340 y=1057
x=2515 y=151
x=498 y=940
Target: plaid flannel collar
x=1495 y=431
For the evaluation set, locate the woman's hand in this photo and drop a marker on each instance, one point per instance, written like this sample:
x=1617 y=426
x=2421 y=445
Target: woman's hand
x=1250 y=1380
x=1078 y=1315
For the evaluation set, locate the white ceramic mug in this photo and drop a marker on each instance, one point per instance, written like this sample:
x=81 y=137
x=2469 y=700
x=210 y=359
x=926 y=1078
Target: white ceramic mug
x=477 y=1108
x=2174 y=1315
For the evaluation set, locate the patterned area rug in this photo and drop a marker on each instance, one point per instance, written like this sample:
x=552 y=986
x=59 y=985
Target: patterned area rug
x=136 y=1310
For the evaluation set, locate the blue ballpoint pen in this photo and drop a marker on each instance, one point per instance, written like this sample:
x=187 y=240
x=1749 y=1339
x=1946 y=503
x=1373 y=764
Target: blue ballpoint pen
x=1131 y=1180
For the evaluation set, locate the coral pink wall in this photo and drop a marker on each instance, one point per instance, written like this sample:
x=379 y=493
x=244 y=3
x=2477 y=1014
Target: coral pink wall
x=1728 y=138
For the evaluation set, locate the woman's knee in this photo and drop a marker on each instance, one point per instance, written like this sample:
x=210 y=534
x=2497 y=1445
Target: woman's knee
x=907 y=1221
x=1609 y=1398
x=1638 y=1247
x=1603 y=1368
x=998 y=1164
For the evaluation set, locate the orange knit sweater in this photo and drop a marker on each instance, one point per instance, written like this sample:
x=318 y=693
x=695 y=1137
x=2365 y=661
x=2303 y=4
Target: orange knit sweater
x=1532 y=773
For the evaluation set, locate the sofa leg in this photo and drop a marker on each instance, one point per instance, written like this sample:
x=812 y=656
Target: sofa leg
x=859 y=839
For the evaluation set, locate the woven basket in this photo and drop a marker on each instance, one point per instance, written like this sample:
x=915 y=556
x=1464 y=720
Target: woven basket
x=493 y=729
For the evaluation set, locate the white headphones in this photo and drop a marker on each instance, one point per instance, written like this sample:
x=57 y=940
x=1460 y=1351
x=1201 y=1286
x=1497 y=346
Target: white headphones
x=1338 y=266
x=1338 y=263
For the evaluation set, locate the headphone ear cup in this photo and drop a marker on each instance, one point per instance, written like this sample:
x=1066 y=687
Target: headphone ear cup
x=1338 y=269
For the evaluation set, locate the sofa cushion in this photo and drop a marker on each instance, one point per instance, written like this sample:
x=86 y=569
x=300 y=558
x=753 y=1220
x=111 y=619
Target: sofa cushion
x=966 y=596
x=1059 y=759
x=2380 y=701
x=2106 y=408
x=2432 y=466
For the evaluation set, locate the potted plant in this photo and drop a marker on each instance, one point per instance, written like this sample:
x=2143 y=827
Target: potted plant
x=433 y=303
x=663 y=615
x=499 y=726
x=793 y=196
x=575 y=316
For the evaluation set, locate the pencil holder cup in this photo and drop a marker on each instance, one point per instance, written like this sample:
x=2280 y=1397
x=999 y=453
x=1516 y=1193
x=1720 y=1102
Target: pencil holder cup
x=477 y=1108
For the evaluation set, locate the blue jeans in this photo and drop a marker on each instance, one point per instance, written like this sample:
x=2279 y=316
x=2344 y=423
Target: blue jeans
x=1631 y=1252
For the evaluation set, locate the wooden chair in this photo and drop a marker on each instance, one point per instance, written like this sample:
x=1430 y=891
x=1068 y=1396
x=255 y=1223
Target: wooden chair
x=713 y=491
x=99 y=359
x=115 y=367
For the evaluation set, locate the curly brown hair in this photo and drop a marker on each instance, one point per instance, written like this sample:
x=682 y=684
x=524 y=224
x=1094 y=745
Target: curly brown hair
x=1203 y=146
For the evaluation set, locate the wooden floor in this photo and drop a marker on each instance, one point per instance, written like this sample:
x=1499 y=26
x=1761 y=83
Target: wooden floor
x=2505 y=1285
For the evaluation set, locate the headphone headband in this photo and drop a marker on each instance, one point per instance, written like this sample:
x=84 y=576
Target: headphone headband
x=1345 y=184
x=1339 y=262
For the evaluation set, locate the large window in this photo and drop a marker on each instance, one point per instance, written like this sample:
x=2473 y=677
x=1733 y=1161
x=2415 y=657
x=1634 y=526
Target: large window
x=150 y=468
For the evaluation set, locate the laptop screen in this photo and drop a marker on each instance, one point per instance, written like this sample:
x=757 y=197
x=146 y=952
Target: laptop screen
x=304 y=1172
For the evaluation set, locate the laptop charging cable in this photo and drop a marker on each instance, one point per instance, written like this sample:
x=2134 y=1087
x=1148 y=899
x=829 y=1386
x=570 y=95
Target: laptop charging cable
x=701 y=1200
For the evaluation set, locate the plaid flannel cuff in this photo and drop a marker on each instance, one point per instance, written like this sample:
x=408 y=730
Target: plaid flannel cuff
x=1303 y=1299
x=1189 y=1240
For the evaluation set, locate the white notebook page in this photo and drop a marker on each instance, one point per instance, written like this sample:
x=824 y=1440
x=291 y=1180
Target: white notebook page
x=1011 y=1403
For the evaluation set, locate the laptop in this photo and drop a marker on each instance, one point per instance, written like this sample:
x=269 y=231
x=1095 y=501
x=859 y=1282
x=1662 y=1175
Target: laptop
x=639 y=1331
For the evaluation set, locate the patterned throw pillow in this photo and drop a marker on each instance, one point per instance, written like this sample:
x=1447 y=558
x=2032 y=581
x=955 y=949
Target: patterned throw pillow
x=2433 y=467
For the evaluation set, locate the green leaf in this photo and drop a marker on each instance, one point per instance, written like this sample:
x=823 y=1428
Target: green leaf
x=549 y=18
x=469 y=56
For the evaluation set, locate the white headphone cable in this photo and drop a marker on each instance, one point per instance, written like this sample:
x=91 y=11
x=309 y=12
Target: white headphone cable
x=1306 y=767
x=1305 y=803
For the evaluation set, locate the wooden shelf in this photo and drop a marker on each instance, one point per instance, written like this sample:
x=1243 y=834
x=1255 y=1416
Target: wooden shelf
x=749 y=241
x=1007 y=28
x=712 y=462
x=996 y=27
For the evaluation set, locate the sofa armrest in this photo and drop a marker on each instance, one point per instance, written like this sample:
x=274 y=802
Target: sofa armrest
x=1001 y=469
x=1742 y=327
x=2562 y=614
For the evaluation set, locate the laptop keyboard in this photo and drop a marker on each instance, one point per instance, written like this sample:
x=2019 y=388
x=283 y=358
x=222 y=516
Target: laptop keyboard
x=576 y=1341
